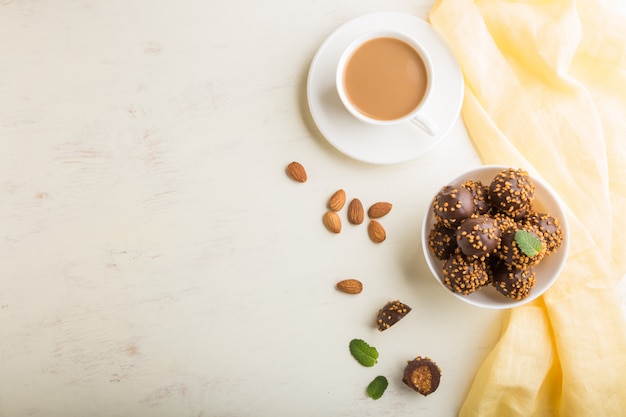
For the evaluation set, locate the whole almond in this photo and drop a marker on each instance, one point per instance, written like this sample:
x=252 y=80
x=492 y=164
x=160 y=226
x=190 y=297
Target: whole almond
x=337 y=200
x=378 y=210
x=350 y=286
x=356 y=214
x=332 y=221
x=297 y=172
x=376 y=232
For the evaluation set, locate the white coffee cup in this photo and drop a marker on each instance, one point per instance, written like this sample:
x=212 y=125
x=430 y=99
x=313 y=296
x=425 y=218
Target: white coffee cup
x=404 y=81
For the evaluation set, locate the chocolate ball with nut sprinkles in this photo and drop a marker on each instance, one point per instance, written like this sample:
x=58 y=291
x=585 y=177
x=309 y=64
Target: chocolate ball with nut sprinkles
x=464 y=275
x=505 y=223
x=480 y=193
x=442 y=241
x=390 y=314
x=478 y=236
x=512 y=192
x=548 y=228
x=422 y=375
x=452 y=205
x=510 y=252
x=515 y=283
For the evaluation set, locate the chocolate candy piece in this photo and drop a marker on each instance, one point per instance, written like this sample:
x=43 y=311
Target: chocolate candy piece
x=548 y=228
x=513 y=282
x=453 y=205
x=422 y=375
x=480 y=193
x=505 y=223
x=442 y=241
x=390 y=314
x=478 y=236
x=511 y=192
x=510 y=252
x=463 y=275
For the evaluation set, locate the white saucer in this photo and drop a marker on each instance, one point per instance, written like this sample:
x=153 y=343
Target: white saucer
x=383 y=144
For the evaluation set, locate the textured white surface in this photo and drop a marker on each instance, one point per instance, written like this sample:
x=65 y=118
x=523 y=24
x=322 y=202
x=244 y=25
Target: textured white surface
x=156 y=260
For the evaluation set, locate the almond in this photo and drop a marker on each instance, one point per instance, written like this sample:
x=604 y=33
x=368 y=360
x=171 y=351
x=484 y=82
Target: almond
x=350 y=286
x=376 y=232
x=337 y=200
x=297 y=172
x=332 y=221
x=356 y=213
x=379 y=209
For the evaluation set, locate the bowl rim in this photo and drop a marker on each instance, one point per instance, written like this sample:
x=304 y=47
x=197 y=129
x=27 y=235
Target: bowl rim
x=504 y=303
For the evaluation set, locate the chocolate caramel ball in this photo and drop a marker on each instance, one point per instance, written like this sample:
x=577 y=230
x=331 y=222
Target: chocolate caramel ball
x=422 y=375
x=452 y=205
x=480 y=193
x=512 y=192
x=548 y=228
x=478 y=236
x=514 y=283
x=442 y=241
x=510 y=252
x=505 y=223
x=464 y=275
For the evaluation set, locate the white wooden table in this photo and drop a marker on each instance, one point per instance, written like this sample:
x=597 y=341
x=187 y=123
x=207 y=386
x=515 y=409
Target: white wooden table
x=157 y=261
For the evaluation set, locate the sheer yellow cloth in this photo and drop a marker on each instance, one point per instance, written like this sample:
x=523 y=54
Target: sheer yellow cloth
x=546 y=91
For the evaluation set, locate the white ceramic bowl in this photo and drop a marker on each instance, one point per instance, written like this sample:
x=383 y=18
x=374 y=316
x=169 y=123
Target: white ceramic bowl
x=547 y=271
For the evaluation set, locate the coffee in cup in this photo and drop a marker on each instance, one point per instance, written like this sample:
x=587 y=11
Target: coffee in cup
x=384 y=78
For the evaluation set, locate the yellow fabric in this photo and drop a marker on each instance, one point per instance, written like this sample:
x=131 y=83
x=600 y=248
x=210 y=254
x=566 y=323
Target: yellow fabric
x=546 y=91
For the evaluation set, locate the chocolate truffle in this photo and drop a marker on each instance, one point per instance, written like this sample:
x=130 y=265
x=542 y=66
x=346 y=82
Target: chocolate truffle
x=511 y=253
x=513 y=282
x=442 y=241
x=463 y=275
x=452 y=205
x=511 y=192
x=548 y=228
x=505 y=223
x=480 y=193
x=422 y=375
x=478 y=236
x=390 y=314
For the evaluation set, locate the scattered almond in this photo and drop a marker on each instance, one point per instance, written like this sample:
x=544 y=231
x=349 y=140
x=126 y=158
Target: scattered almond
x=356 y=213
x=350 y=286
x=297 y=172
x=378 y=210
x=376 y=232
x=337 y=200
x=332 y=221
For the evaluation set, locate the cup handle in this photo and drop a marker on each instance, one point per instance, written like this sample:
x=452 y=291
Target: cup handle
x=425 y=123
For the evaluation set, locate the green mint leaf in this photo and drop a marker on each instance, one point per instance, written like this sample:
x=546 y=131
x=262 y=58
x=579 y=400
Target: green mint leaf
x=528 y=243
x=377 y=387
x=365 y=354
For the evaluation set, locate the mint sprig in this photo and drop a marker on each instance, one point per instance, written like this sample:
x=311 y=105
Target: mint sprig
x=377 y=387
x=365 y=354
x=528 y=243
